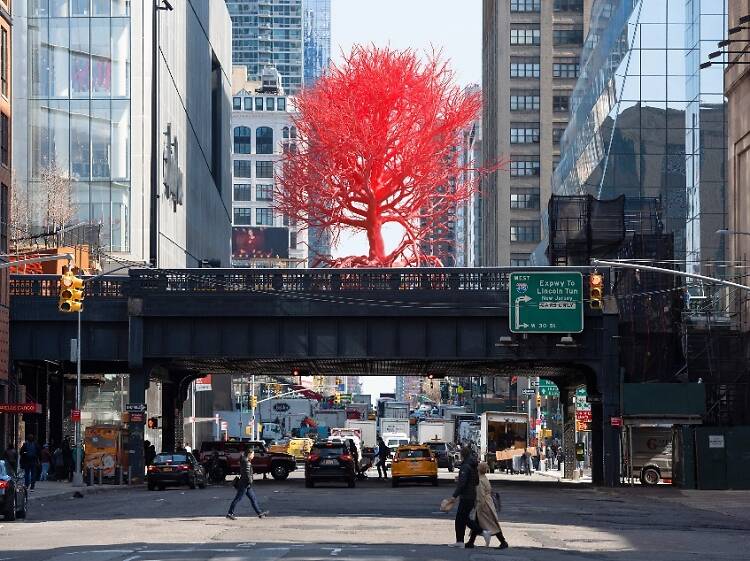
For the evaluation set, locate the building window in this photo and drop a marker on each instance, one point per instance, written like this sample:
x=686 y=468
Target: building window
x=524 y=133
x=285 y=133
x=524 y=231
x=5 y=140
x=561 y=103
x=557 y=134
x=569 y=5
x=525 y=35
x=524 y=197
x=524 y=168
x=243 y=168
x=236 y=103
x=293 y=132
x=281 y=104
x=292 y=240
x=4 y=62
x=264 y=216
x=242 y=140
x=264 y=170
x=243 y=217
x=248 y=104
x=525 y=5
x=243 y=192
x=264 y=140
x=567 y=36
x=259 y=104
x=270 y=103
x=524 y=100
x=520 y=259
x=264 y=192
x=524 y=67
x=566 y=68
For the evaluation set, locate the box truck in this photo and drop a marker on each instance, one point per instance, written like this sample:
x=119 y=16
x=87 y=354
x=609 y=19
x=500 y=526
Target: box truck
x=331 y=418
x=368 y=430
x=502 y=436
x=435 y=430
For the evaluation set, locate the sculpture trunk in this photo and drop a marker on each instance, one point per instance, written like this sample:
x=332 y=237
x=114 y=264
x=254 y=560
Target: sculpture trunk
x=375 y=239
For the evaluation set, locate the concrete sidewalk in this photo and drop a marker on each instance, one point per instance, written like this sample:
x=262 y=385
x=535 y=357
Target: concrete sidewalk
x=53 y=489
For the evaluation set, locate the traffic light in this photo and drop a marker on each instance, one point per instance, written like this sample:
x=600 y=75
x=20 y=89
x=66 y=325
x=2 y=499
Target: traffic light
x=253 y=401
x=152 y=423
x=538 y=401
x=71 y=293
x=337 y=398
x=596 y=291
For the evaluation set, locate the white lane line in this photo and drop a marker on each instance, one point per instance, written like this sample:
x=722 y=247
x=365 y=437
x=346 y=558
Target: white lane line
x=132 y=558
x=335 y=552
x=246 y=544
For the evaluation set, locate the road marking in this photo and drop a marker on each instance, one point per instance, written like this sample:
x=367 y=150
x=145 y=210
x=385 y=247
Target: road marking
x=335 y=552
x=132 y=557
x=246 y=544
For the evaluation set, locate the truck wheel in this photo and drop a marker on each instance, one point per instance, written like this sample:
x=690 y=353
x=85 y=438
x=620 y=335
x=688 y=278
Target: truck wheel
x=650 y=476
x=279 y=472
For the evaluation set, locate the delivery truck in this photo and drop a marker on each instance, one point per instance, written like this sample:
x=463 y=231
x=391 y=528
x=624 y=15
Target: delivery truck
x=502 y=435
x=389 y=426
x=331 y=418
x=368 y=430
x=435 y=430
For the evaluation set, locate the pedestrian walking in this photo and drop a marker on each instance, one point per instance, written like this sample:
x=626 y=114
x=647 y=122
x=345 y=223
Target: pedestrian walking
x=58 y=464
x=526 y=462
x=11 y=456
x=382 y=454
x=488 y=505
x=354 y=453
x=67 y=459
x=29 y=461
x=244 y=486
x=45 y=457
x=466 y=493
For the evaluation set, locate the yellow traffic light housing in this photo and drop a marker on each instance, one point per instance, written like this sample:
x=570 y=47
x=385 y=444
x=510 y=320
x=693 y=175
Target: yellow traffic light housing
x=253 y=401
x=538 y=401
x=71 y=293
x=337 y=398
x=596 y=291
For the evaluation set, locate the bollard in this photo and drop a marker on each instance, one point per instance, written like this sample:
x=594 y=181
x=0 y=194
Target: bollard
x=91 y=476
x=101 y=473
x=129 y=474
x=119 y=470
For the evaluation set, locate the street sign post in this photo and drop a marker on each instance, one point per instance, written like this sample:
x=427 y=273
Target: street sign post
x=528 y=392
x=75 y=415
x=546 y=302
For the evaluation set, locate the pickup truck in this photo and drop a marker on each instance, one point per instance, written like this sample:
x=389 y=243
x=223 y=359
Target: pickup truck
x=228 y=453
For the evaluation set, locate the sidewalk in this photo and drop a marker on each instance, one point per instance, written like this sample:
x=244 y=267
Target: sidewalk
x=558 y=474
x=52 y=489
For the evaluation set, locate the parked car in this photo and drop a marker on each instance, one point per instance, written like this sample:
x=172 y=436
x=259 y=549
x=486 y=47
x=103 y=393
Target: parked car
x=14 y=498
x=175 y=470
x=414 y=462
x=279 y=465
x=443 y=454
x=329 y=461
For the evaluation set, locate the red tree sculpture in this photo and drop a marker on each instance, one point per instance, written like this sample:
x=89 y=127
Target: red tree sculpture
x=377 y=139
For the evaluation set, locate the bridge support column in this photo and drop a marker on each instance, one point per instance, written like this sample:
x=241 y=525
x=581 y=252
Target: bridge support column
x=139 y=381
x=569 y=431
x=610 y=381
x=169 y=438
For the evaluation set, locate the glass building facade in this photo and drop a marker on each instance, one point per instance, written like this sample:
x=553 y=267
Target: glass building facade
x=268 y=33
x=317 y=26
x=646 y=122
x=79 y=107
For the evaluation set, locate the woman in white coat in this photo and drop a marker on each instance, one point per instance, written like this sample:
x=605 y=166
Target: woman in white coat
x=486 y=512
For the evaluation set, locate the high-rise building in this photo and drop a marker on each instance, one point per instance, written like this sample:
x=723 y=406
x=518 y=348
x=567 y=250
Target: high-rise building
x=647 y=122
x=409 y=388
x=317 y=31
x=530 y=57
x=5 y=186
x=88 y=117
x=262 y=130
x=269 y=33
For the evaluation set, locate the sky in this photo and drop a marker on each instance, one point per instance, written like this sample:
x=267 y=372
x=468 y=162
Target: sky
x=455 y=27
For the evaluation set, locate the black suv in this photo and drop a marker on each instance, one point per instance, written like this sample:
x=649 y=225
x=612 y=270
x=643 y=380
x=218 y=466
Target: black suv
x=443 y=453
x=329 y=461
x=14 y=499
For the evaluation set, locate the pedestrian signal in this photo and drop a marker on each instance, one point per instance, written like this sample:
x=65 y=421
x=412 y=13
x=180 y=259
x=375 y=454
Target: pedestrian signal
x=71 y=293
x=596 y=291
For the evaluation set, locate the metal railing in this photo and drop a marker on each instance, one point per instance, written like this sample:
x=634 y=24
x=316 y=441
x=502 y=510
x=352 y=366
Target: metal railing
x=151 y=281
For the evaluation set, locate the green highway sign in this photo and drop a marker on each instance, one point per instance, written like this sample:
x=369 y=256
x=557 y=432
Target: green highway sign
x=546 y=302
x=547 y=388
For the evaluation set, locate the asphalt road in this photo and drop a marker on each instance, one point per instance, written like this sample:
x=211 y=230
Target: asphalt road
x=543 y=521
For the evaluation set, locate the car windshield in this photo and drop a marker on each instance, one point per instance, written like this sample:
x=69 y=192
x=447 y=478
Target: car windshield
x=170 y=459
x=437 y=447
x=329 y=451
x=413 y=454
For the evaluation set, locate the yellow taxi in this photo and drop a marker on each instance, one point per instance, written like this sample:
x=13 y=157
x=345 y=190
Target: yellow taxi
x=414 y=461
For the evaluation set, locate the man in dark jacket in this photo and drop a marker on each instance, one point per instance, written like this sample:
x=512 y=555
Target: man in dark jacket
x=382 y=455
x=244 y=486
x=30 y=461
x=466 y=492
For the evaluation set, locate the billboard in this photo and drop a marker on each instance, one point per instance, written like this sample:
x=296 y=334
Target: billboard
x=260 y=243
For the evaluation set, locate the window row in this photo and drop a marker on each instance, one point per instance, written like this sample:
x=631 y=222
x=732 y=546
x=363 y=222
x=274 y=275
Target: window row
x=258 y=103
x=4 y=140
x=531 y=34
x=572 y=36
x=524 y=67
x=535 y=6
x=263 y=139
x=525 y=168
x=243 y=192
x=520 y=259
x=524 y=100
x=524 y=198
x=4 y=62
x=524 y=133
x=244 y=217
x=566 y=68
x=86 y=8
x=525 y=231
x=244 y=168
